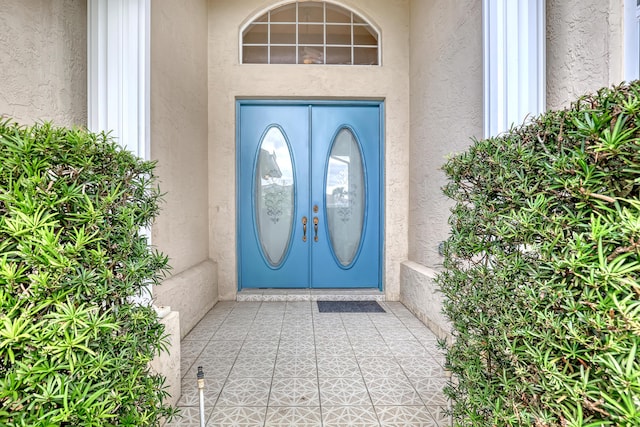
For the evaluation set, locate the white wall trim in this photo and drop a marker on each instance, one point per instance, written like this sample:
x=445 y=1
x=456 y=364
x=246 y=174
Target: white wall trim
x=118 y=71
x=513 y=34
x=118 y=56
x=631 y=36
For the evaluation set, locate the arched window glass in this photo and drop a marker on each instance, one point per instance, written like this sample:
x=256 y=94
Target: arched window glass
x=310 y=32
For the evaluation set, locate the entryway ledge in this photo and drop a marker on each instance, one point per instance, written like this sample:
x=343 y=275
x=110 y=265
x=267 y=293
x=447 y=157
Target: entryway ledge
x=369 y=294
x=419 y=293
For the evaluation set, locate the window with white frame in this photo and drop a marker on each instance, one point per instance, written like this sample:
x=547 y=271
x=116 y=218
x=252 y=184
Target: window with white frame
x=310 y=32
x=631 y=39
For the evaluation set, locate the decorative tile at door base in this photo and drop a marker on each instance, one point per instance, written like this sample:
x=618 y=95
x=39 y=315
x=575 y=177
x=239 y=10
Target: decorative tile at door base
x=397 y=333
x=189 y=417
x=201 y=333
x=266 y=333
x=237 y=416
x=222 y=349
x=415 y=367
x=411 y=347
x=214 y=367
x=376 y=367
x=254 y=367
x=343 y=392
x=293 y=416
x=403 y=416
x=306 y=385
x=431 y=390
x=292 y=349
x=392 y=391
x=245 y=392
x=294 y=392
x=296 y=366
x=331 y=330
x=352 y=416
x=190 y=350
x=228 y=332
x=334 y=349
x=333 y=367
x=371 y=348
x=297 y=334
x=261 y=348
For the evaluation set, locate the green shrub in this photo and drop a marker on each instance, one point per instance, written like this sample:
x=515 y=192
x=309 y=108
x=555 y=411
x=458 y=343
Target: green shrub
x=74 y=344
x=542 y=266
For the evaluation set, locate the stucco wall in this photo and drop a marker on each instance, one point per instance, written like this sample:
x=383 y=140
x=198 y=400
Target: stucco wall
x=446 y=111
x=43 y=61
x=584 y=48
x=179 y=144
x=229 y=80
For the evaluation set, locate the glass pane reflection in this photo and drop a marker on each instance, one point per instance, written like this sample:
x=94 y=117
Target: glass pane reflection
x=274 y=196
x=345 y=197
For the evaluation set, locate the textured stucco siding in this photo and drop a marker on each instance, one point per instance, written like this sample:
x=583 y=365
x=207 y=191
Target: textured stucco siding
x=229 y=80
x=446 y=112
x=179 y=144
x=43 y=61
x=584 y=48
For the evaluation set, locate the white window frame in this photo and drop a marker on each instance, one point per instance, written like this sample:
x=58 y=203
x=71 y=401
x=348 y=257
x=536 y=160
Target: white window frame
x=514 y=62
x=118 y=71
x=323 y=46
x=631 y=40
x=118 y=78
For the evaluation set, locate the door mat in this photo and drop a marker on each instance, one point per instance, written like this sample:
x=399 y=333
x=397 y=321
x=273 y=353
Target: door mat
x=350 y=307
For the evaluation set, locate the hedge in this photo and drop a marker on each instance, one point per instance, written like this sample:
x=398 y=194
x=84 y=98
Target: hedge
x=75 y=336
x=541 y=269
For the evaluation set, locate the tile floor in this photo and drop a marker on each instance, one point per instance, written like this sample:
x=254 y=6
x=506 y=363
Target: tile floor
x=286 y=364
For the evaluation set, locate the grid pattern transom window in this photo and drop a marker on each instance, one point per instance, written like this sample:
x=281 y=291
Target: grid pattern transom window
x=309 y=32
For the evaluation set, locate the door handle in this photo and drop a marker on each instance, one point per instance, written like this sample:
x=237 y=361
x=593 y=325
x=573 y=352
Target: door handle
x=315 y=228
x=304 y=228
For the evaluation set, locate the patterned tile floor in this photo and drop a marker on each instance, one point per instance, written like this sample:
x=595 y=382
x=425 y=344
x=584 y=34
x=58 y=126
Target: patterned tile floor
x=286 y=364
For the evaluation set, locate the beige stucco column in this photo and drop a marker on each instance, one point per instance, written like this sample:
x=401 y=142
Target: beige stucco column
x=446 y=112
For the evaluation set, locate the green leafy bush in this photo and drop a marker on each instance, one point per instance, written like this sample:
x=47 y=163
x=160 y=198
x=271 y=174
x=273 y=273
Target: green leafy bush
x=74 y=343
x=541 y=277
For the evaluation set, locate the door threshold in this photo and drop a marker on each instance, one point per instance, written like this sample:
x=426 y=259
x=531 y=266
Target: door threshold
x=364 y=294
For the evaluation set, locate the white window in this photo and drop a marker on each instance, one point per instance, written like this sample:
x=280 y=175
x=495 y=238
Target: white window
x=631 y=39
x=310 y=32
x=514 y=62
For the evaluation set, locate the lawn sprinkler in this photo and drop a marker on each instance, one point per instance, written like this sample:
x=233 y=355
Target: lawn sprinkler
x=200 y=377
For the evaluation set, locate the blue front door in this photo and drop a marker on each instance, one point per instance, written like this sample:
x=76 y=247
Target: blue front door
x=309 y=195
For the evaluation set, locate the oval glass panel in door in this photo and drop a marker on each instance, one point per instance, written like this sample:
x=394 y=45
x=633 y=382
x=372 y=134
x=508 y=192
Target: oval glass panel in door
x=345 y=196
x=274 y=193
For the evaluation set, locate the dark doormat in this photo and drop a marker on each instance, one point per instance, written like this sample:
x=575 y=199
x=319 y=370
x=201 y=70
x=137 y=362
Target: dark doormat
x=349 y=307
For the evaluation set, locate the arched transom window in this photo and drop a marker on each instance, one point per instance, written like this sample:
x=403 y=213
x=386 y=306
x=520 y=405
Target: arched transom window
x=310 y=32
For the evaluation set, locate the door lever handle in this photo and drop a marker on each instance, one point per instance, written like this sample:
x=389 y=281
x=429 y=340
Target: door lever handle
x=315 y=228
x=304 y=228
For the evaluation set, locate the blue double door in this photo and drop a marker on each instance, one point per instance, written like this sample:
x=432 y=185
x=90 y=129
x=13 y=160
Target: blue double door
x=309 y=194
